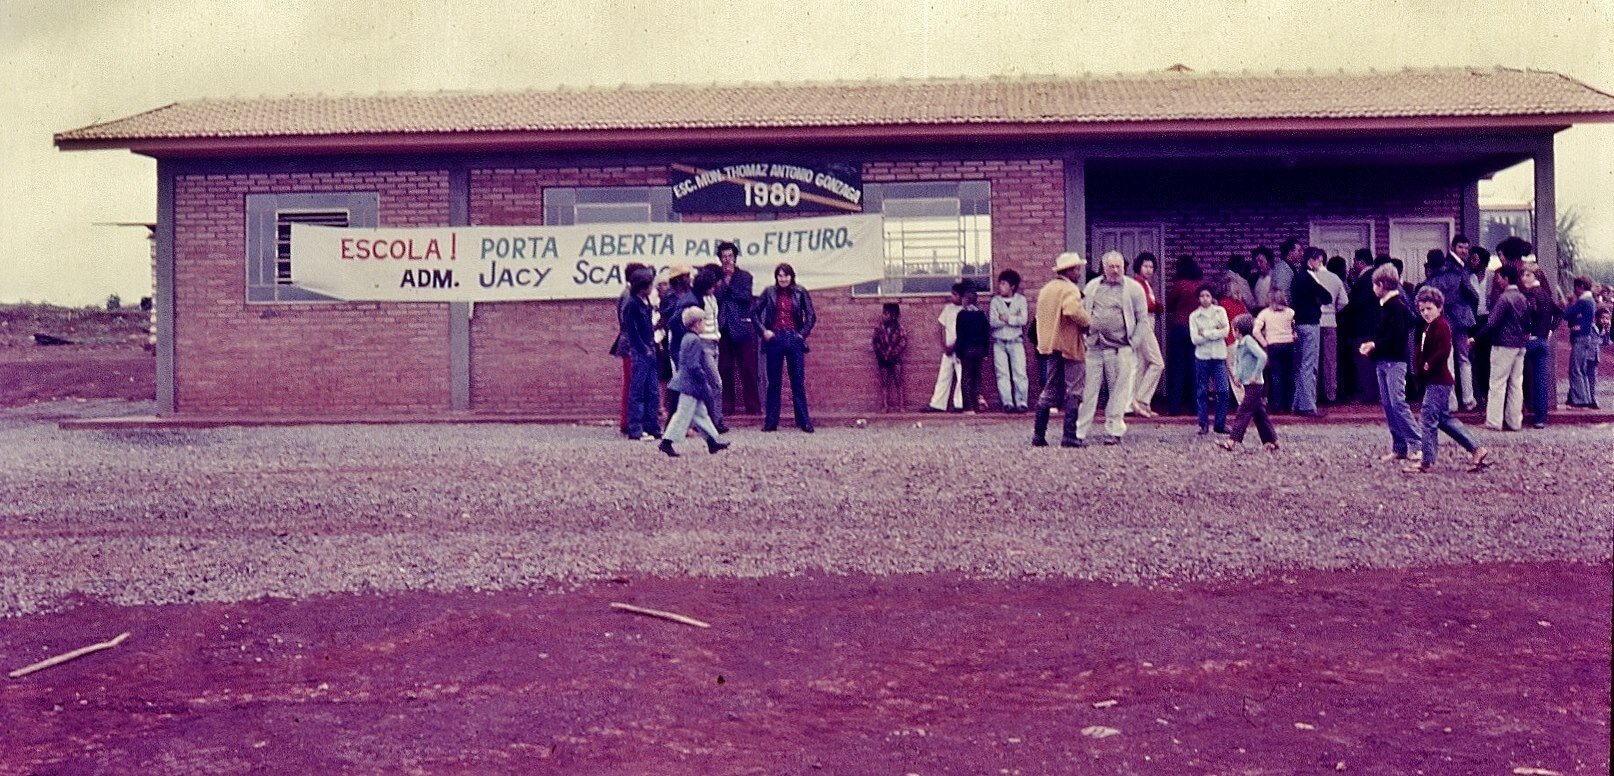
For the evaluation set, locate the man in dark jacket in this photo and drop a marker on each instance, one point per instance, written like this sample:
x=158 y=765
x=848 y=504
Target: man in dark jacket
x=619 y=347
x=638 y=345
x=785 y=317
x=1545 y=315
x=679 y=296
x=737 y=350
x=1391 y=352
x=1449 y=274
x=1361 y=316
x=1506 y=330
x=1307 y=297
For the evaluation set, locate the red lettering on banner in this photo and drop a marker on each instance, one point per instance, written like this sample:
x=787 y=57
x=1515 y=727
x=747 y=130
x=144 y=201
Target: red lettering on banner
x=360 y=249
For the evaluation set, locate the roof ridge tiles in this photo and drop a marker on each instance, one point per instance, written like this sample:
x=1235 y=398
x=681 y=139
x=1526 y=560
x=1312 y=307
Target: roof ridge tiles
x=1583 y=84
x=1159 y=97
x=952 y=80
x=108 y=122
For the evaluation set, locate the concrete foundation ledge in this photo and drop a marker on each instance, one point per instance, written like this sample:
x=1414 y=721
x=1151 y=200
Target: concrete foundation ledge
x=1344 y=414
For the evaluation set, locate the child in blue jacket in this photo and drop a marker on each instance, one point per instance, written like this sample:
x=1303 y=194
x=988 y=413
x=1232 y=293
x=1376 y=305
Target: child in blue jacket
x=1249 y=359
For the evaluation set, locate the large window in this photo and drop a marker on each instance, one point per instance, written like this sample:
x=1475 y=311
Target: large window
x=269 y=220
x=605 y=205
x=935 y=234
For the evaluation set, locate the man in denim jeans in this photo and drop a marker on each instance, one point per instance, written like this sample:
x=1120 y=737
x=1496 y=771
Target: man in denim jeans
x=785 y=316
x=1308 y=296
x=1390 y=350
x=639 y=344
x=1544 y=316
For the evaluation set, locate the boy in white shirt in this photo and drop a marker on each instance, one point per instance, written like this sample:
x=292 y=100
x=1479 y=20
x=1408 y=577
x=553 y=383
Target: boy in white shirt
x=949 y=375
x=1208 y=328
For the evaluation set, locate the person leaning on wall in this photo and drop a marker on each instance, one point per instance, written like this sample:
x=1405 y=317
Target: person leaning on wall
x=737 y=348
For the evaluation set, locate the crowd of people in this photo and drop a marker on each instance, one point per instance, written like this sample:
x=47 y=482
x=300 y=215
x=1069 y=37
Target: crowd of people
x=1273 y=333
x=688 y=340
x=1276 y=322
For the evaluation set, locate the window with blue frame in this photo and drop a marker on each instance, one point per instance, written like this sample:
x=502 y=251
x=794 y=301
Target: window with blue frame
x=269 y=221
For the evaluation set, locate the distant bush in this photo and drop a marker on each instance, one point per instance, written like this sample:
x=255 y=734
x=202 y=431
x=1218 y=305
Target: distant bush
x=113 y=302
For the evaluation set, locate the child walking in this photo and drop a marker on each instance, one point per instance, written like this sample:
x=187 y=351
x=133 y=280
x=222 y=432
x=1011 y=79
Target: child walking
x=890 y=343
x=974 y=342
x=696 y=382
x=1008 y=317
x=1249 y=361
x=1434 y=348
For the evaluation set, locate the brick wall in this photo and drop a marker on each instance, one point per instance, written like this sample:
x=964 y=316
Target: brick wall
x=544 y=356
x=296 y=358
x=551 y=356
x=1028 y=230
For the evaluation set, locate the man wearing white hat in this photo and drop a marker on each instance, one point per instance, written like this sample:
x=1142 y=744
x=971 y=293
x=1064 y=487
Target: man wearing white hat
x=1118 y=311
x=1062 y=323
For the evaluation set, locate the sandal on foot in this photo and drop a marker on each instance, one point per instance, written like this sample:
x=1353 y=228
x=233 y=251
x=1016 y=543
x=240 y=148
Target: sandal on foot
x=1225 y=444
x=1272 y=447
x=1480 y=462
x=1415 y=468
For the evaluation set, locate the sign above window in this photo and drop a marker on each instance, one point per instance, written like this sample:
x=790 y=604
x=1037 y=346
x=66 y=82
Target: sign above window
x=763 y=187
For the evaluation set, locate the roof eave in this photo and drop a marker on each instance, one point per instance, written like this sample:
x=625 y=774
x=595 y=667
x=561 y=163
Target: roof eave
x=880 y=134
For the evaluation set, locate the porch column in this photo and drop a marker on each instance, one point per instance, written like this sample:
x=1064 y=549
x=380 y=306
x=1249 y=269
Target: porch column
x=1471 y=226
x=163 y=303
x=1076 y=206
x=459 y=313
x=1545 y=230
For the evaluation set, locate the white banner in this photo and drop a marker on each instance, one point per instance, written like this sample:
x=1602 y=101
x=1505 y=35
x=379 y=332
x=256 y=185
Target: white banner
x=524 y=263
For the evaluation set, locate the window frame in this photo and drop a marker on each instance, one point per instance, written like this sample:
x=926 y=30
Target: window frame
x=973 y=199
x=561 y=204
x=263 y=212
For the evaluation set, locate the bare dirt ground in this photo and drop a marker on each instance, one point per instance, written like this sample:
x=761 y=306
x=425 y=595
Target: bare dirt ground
x=1467 y=670
x=1469 y=635
x=107 y=358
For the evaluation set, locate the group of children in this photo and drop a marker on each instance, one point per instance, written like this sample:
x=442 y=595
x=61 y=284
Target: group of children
x=968 y=334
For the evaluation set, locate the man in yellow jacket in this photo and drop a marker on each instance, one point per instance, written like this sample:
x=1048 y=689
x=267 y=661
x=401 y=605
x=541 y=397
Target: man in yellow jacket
x=1062 y=323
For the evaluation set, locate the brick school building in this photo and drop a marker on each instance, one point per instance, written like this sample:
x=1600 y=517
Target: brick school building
x=972 y=177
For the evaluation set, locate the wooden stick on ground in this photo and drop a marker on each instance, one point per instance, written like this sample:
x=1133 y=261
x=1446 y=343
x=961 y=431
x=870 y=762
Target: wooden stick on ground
x=658 y=613
x=66 y=656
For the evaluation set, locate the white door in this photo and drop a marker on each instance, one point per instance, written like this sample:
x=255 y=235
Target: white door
x=1411 y=239
x=1342 y=238
x=1130 y=240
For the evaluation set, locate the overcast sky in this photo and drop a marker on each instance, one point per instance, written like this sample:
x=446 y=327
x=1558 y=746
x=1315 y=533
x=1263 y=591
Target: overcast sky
x=64 y=65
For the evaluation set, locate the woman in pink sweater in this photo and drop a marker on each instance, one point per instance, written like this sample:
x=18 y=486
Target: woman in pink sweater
x=1275 y=330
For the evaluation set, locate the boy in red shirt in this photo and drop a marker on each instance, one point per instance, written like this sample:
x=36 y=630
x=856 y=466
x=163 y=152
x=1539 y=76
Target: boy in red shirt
x=1434 y=348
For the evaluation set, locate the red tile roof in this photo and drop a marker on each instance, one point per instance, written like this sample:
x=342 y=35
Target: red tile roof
x=1159 y=98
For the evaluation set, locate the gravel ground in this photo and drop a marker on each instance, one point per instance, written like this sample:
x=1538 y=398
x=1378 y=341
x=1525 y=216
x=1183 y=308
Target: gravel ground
x=152 y=517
